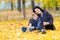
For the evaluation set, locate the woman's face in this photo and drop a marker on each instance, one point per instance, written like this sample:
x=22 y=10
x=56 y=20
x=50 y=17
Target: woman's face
x=38 y=11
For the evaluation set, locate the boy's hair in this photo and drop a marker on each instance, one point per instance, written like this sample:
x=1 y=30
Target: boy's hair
x=34 y=14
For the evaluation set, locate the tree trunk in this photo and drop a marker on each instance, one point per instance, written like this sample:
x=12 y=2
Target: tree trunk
x=19 y=6
x=24 y=12
x=48 y=5
x=11 y=4
x=56 y=6
x=32 y=3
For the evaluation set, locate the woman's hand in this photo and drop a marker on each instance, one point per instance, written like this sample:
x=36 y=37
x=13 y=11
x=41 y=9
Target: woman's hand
x=45 y=23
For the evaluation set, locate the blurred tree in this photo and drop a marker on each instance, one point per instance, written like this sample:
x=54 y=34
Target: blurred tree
x=48 y=5
x=24 y=9
x=38 y=2
x=11 y=4
x=44 y=4
x=6 y=1
x=32 y=3
x=19 y=5
x=56 y=5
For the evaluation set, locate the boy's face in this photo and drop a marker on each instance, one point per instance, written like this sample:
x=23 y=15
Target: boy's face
x=35 y=16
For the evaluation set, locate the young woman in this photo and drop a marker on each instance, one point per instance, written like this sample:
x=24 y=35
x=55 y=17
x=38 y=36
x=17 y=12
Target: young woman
x=46 y=17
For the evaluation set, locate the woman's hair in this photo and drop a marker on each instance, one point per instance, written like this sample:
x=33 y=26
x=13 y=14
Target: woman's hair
x=38 y=8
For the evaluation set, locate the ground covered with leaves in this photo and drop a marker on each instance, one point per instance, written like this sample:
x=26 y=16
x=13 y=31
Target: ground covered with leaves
x=11 y=30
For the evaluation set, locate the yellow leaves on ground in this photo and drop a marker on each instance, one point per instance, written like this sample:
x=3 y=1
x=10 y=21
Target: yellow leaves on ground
x=11 y=30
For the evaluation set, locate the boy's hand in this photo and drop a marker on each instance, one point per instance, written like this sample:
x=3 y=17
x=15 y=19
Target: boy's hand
x=27 y=30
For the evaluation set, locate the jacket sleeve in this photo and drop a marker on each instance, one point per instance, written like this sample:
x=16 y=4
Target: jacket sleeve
x=30 y=21
x=51 y=18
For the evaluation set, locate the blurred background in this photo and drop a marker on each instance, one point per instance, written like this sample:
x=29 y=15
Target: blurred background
x=15 y=14
x=16 y=9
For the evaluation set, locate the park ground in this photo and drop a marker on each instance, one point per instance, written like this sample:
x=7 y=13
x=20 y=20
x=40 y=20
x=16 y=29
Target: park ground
x=11 y=30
